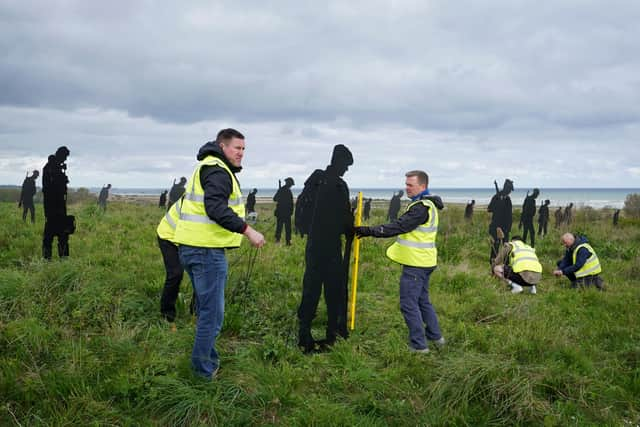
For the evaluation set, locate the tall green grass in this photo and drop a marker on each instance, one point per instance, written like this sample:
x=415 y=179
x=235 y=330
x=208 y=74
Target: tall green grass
x=82 y=342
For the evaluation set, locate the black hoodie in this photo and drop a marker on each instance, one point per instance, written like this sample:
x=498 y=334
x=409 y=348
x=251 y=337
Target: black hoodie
x=217 y=186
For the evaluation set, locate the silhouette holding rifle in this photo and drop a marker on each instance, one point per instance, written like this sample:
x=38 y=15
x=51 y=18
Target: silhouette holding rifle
x=526 y=216
x=501 y=211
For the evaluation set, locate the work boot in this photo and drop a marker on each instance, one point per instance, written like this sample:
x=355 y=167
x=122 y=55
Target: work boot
x=533 y=290
x=515 y=288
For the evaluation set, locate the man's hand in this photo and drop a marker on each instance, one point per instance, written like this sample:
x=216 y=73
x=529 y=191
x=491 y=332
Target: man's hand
x=255 y=237
x=363 y=231
x=557 y=272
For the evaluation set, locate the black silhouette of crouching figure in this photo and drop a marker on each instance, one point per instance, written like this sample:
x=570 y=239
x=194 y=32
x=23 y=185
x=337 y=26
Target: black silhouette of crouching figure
x=329 y=219
x=54 y=189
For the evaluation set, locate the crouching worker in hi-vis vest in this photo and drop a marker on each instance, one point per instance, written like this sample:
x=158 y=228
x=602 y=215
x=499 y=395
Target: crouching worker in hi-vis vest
x=415 y=249
x=518 y=265
x=211 y=220
x=580 y=263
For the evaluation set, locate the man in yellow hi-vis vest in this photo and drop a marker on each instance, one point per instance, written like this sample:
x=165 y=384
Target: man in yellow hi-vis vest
x=580 y=263
x=415 y=249
x=518 y=264
x=211 y=220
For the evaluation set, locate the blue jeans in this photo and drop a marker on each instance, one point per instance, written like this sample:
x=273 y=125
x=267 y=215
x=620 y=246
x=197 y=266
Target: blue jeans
x=207 y=268
x=419 y=314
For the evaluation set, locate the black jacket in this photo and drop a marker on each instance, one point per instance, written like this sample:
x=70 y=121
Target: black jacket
x=217 y=186
x=412 y=218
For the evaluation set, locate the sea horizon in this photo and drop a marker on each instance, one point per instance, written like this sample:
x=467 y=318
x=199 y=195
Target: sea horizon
x=598 y=197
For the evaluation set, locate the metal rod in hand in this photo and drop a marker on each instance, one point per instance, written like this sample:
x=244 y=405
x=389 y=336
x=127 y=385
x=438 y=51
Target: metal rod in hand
x=356 y=259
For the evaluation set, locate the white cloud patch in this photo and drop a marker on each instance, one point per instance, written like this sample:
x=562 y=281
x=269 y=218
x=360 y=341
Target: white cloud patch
x=470 y=92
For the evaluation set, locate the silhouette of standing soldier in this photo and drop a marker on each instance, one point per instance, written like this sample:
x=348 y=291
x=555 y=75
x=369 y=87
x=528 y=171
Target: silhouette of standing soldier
x=568 y=215
x=163 y=199
x=501 y=209
x=543 y=218
x=366 y=209
x=558 y=217
x=616 y=216
x=329 y=219
x=250 y=206
x=468 y=210
x=284 y=209
x=177 y=190
x=26 y=196
x=526 y=217
x=54 y=189
x=103 y=196
x=394 y=206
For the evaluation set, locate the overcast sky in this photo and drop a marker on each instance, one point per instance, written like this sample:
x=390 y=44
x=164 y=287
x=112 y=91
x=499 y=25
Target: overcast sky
x=544 y=92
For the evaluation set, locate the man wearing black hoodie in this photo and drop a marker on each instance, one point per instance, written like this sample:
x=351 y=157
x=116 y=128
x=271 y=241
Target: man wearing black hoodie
x=415 y=249
x=211 y=220
x=580 y=263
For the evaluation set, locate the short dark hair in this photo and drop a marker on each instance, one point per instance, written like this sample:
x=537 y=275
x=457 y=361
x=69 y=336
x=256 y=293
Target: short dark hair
x=226 y=135
x=423 y=178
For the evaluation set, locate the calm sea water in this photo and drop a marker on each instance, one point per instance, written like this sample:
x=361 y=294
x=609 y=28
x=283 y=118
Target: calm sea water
x=580 y=197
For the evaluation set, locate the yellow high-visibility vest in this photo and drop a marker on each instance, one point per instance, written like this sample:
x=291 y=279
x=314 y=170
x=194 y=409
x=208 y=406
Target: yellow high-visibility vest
x=194 y=227
x=592 y=266
x=167 y=228
x=417 y=248
x=523 y=258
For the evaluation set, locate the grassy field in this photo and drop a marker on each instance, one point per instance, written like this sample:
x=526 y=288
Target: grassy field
x=82 y=342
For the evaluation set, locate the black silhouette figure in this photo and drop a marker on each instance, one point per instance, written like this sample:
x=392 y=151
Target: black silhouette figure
x=284 y=209
x=177 y=190
x=567 y=218
x=558 y=215
x=26 y=196
x=54 y=189
x=543 y=218
x=103 y=196
x=468 y=210
x=366 y=210
x=250 y=205
x=526 y=217
x=394 y=206
x=163 y=199
x=616 y=216
x=502 y=210
x=323 y=211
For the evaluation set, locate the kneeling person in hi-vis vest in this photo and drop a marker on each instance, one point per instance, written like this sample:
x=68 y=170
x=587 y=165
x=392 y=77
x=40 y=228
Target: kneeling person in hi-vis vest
x=211 y=220
x=415 y=249
x=518 y=264
x=580 y=263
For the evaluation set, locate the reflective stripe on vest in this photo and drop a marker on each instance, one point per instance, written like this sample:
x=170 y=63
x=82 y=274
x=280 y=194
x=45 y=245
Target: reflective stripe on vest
x=167 y=227
x=523 y=258
x=417 y=248
x=592 y=266
x=195 y=228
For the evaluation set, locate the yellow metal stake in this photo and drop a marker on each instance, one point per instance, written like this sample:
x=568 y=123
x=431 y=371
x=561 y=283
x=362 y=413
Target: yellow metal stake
x=356 y=259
